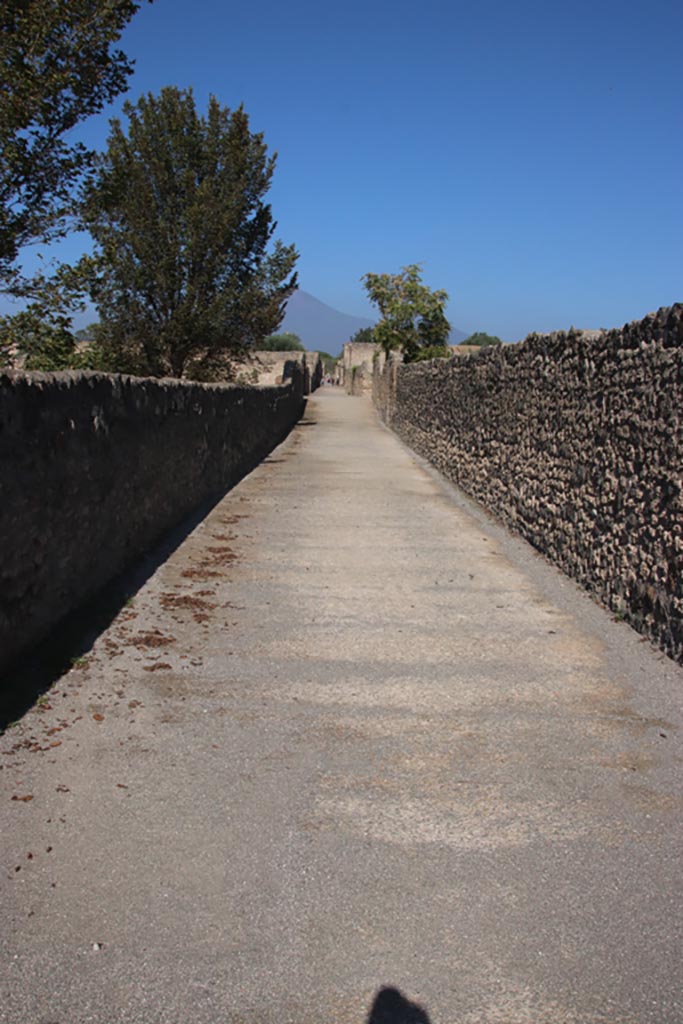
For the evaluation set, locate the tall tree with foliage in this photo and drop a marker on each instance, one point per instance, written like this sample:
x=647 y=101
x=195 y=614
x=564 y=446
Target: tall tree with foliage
x=363 y=336
x=185 y=276
x=40 y=336
x=482 y=340
x=413 y=319
x=285 y=342
x=59 y=65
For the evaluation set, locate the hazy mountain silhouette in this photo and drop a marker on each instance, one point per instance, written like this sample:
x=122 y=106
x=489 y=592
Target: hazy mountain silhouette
x=456 y=336
x=322 y=328
x=318 y=325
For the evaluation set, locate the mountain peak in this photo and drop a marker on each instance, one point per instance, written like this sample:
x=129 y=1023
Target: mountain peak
x=322 y=328
x=319 y=326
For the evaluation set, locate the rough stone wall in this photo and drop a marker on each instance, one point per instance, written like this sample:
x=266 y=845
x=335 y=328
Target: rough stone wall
x=464 y=350
x=576 y=442
x=384 y=381
x=95 y=468
x=269 y=368
x=359 y=382
x=358 y=357
x=316 y=370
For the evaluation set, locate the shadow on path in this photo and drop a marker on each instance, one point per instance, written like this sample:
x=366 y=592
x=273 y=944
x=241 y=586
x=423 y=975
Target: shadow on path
x=74 y=635
x=34 y=672
x=391 y=1007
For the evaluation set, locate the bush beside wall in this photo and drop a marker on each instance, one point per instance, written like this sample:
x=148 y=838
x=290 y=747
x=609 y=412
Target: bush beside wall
x=95 y=468
x=575 y=441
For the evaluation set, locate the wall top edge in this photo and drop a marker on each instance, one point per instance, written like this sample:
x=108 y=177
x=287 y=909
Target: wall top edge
x=69 y=378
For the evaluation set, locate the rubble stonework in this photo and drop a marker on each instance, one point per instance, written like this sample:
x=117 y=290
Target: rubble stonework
x=94 y=468
x=575 y=441
x=270 y=368
x=356 y=369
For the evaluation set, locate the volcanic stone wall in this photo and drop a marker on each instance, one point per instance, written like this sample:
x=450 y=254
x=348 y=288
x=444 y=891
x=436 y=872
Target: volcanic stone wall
x=357 y=361
x=95 y=468
x=277 y=367
x=575 y=441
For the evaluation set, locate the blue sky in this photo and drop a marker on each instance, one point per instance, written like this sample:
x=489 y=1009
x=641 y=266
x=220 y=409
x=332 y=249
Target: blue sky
x=529 y=155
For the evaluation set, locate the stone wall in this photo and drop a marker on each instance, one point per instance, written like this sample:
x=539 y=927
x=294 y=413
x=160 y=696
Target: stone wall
x=268 y=368
x=575 y=441
x=95 y=468
x=359 y=381
x=357 y=361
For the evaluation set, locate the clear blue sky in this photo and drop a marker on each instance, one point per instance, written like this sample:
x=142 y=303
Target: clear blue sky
x=528 y=154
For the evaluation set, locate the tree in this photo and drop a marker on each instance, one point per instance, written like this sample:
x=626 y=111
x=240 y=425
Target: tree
x=286 y=342
x=413 y=316
x=58 y=67
x=363 y=336
x=329 y=362
x=37 y=344
x=482 y=340
x=86 y=334
x=184 y=277
x=40 y=336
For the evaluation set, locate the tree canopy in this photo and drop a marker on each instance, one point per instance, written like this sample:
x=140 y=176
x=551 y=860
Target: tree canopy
x=413 y=317
x=58 y=67
x=285 y=342
x=329 y=361
x=184 y=276
x=363 y=336
x=482 y=340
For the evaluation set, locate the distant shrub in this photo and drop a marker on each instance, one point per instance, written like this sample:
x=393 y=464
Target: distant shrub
x=286 y=342
x=363 y=336
x=482 y=340
x=432 y=352
x=329 y=362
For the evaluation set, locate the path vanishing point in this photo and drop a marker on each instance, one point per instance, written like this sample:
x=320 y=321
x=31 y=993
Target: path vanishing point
x=349 y=736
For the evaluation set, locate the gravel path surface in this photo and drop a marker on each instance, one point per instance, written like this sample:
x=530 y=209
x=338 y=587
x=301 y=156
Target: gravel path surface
x=349 y=735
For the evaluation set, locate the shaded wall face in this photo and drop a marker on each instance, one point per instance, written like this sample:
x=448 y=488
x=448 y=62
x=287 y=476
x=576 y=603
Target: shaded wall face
x=273 y=368
x=575 y=442
x=95 y=468
x=358 y=361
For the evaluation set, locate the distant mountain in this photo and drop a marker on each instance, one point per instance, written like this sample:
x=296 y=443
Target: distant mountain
x=321 y=327
x=456 y=336
x=318 y=325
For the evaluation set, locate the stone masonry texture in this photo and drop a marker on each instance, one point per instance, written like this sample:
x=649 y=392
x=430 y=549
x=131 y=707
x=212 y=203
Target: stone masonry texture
x=575 y=441
x=95 y=468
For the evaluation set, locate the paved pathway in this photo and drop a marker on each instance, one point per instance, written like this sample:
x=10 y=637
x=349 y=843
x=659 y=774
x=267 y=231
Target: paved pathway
x=348 y=736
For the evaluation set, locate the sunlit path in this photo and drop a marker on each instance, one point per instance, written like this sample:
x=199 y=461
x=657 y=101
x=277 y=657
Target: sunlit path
x=348 y=736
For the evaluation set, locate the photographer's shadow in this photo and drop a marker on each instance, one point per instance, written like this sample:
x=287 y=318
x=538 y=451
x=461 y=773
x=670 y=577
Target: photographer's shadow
x=391 y=1007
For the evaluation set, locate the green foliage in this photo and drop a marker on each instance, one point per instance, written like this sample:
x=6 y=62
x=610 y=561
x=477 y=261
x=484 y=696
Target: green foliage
x=433 y=352
x=482 y=340
x=40 y=336
x=37 y=344
x=183 y=276
x=329 y=362
x=286 y=342
x=412 y=314
x=88 y=333
x=363 y=336
x=58 y=68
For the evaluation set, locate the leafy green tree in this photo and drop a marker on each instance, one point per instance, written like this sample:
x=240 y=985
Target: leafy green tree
x=40 y=336
x=88 y=333
x=184 y=277
x=363 y=336
x=42 y=345
x=482 y=340
x=412 y=314
x=59 y=66
x=286 y=342
x=329 y=362
x=433 y=352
